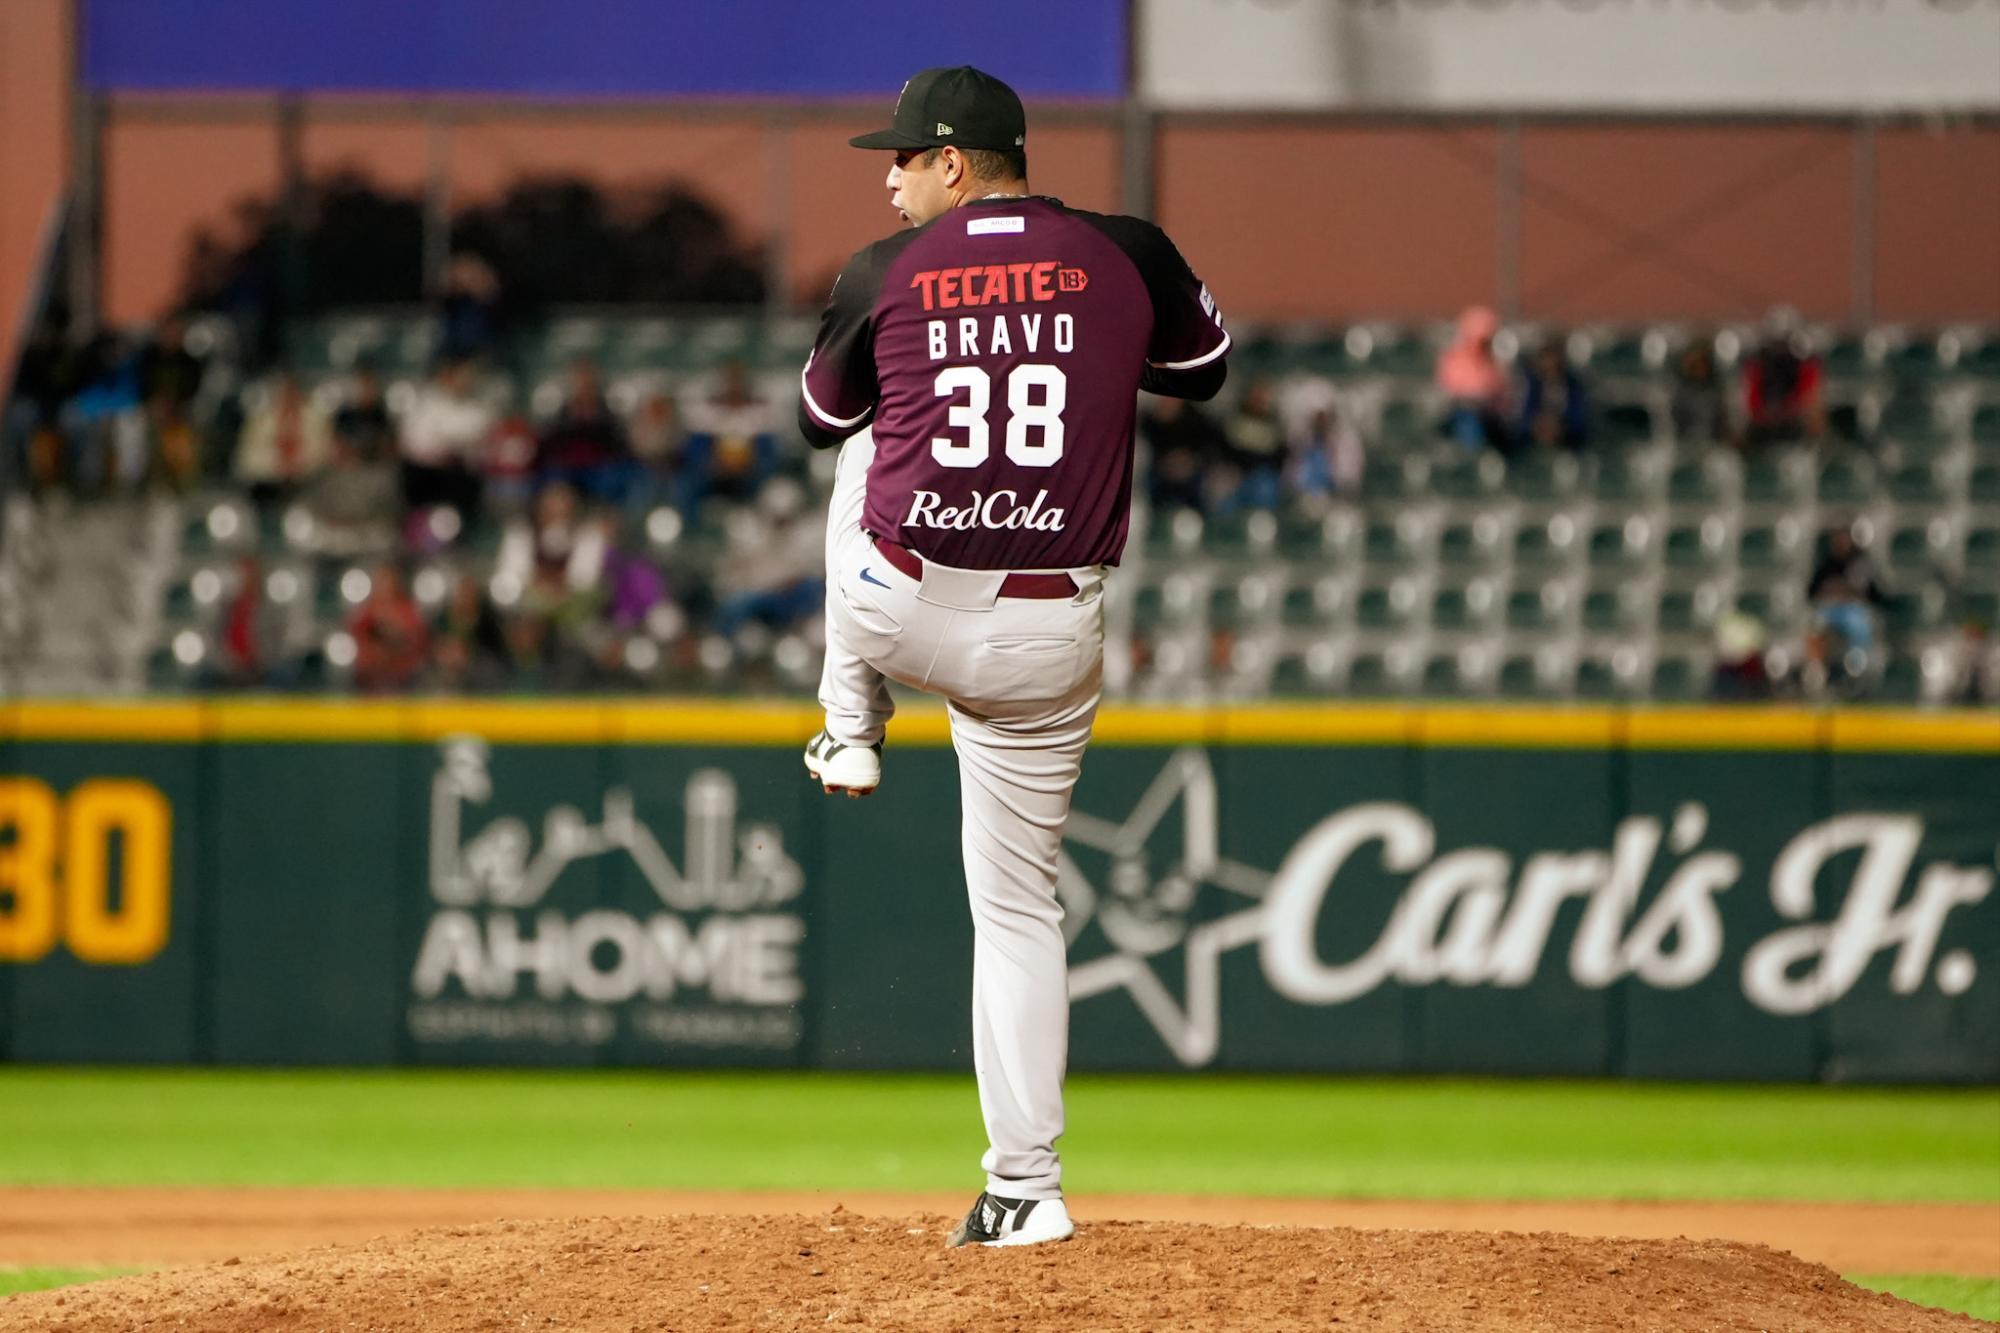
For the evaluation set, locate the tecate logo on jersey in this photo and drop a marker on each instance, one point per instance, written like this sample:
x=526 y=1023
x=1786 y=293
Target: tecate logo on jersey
x=1001 y=511
x=997 y=284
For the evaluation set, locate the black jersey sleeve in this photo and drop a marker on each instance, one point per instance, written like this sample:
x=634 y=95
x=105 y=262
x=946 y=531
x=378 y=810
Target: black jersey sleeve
x=838 y=383
x=1185 y=353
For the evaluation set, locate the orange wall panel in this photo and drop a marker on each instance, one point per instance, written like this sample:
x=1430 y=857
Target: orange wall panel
x=1680 y=221
x=393 y=153
x=1302 y=221
x=165 y=180
x=34 y=147
x=1937 y=225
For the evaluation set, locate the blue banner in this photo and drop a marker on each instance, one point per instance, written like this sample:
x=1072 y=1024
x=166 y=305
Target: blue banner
x=599 y=48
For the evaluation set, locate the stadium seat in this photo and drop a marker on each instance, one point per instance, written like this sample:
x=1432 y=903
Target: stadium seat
x=1620 y=611
x=1473 y=607
x=1846 y=481
x=1986 y=423
x=1982 y=552
x=1983 y=486
x=1543 y=476
x=1713 y=479
x=1627 y=424
x=1917 y=484
x=1469 y=477
x=1542 y=609
x=1690 y=612
x=1474 y=543
x=1246 y=532
x=1387 y=607
x=1782 y=476
x=1680 y=678
x=1624 y=547
x=1698 y=547
x=1547 y=545
x=1774 y=548
x=1319 y=605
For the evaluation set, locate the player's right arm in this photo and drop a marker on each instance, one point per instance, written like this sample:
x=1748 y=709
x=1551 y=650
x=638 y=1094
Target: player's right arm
x=840 y=388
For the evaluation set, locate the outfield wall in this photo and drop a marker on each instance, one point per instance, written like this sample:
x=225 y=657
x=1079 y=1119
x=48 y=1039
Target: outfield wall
x=1661 y=893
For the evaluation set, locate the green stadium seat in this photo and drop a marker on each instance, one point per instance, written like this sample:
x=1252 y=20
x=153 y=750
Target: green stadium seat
x=1628 y=424
x=1689 y=612
x=1679 y=679
x=1910 y=423
x=1246 y=532
x=1701 y=481
x=1916 y=358
x=1469 y=608
x=1386 y=607
x=1918 y=549
x=1394 y=478
x=1473 y=544
x=1846 y=481
x=1518 y=678
x=1595 y=680
x=1546 y=545
x=1622 y=547
x=1620 y=611
x=1917 y=484
x=1780 y=476
x=1698 y=547
x=1986 y=423
x=1902 y=680
x=1847 y=357
x=1982 y=552
x=1441 y=677
x=1316 y=606
x=1980 y=604
x=1406 y=423
x=1469 y=477
x=1773 y=548
x=1543 y=476
x=1540 y=610
x=1983 y=486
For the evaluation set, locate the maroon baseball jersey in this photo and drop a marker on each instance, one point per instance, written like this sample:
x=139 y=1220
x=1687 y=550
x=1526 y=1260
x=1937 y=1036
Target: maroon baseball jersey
x=998 y=351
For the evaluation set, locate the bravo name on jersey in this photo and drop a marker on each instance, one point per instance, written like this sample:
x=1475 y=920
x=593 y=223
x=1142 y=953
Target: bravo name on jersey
x=997 y=353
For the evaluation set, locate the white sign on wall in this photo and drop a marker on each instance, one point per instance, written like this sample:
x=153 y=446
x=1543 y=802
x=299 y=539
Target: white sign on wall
x=1640 y=55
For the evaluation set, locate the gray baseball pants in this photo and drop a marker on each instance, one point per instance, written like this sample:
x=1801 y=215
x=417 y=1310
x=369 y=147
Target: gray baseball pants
x=1020 y=679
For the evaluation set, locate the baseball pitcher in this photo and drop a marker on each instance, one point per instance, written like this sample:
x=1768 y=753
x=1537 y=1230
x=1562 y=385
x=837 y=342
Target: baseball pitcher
x=983 y=367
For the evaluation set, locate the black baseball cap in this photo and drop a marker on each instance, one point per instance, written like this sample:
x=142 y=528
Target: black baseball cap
x=961 y=106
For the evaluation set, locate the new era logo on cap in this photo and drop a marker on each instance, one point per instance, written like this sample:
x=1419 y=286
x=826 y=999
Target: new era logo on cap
x=943 y=128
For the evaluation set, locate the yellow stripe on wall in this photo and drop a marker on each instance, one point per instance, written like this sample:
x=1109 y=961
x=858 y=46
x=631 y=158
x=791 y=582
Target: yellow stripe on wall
x=625 y=721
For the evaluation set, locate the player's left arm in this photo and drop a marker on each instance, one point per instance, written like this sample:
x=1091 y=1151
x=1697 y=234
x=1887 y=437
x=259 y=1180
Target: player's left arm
x=1186 y=357
x=838 y=383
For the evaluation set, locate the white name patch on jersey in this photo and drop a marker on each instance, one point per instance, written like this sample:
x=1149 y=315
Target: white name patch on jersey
x=995 y=226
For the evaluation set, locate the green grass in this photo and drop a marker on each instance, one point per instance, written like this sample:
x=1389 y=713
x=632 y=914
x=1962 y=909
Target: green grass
x=1271 y=1136
x=14 y=1280
x=1976 y=1296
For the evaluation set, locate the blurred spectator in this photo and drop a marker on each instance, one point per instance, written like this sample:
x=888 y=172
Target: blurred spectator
x=732 y=443
x=469 y=650
x=657 y=445
x=391 y=641
x=444 y=433
x=1699 y=407
x=286 y=439
x=1256 y=450
x=1739 y=660
x=102 y=424
x=1185 y=445
x=1973 y=666
x=1327 y=457
x=170 y=378
x=1555 y=406
x=353 y=501
x=49 y=371
x=469 y=310
x=167 y=369
x=363 y=422
x=774 y=569
x=1844 y=588
x=584 y=447
x=507 y=464
x=638 y=606
x=1781 y=386
x=553 y=563
x=250 y=650
x=1474 y=385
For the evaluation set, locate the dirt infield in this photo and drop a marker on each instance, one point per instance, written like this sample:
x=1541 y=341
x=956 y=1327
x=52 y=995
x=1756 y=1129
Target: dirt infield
x=877 y=1272
x=144 y=1228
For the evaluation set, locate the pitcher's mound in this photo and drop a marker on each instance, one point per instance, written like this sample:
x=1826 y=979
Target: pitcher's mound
x=877 y=1273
